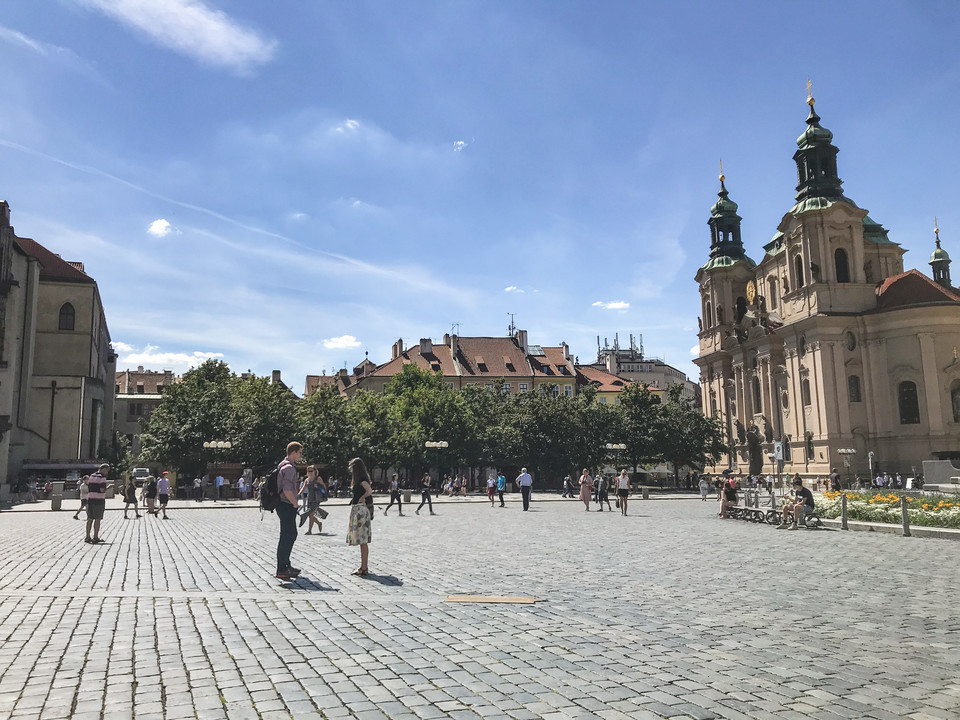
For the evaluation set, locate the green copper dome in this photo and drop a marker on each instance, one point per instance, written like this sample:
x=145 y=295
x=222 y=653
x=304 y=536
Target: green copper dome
x=814 y=134
x=939 y=255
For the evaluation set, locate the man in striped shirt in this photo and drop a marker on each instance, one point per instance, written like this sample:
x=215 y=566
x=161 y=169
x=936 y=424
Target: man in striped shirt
x=96 y=501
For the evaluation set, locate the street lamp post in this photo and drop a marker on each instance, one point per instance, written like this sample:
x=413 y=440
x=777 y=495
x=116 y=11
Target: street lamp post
x=437 y=445
x=217 y=446
x=846 y=454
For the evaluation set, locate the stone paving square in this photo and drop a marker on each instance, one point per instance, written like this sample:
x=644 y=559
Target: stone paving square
x=667 y=613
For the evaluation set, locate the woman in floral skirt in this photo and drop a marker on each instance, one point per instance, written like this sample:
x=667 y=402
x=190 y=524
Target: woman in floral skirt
x=360 y=531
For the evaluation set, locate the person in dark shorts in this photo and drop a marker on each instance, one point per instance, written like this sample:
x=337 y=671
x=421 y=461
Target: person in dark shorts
x=130 y=498
x=96 y=502
x=801 y=506
x=163 y=492
x=150 y=495
x=729 y=497
x=425 y=495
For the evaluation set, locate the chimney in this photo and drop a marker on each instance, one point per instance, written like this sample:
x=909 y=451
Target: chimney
x=446 y=339
x=397 y=349
x=566 y=351
x=139 y=368
x=454 y=345
x=426 y=346
x=342 y=373
x=275 y=376
x=4 y=214
x=521 y=338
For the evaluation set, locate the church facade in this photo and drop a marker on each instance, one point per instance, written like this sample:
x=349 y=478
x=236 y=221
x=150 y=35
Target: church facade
x=827 y=344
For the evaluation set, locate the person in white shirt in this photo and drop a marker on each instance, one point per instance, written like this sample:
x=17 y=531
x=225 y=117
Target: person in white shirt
x=163 y=491
x=623 y=490
x=526 y=483
x=84 y=492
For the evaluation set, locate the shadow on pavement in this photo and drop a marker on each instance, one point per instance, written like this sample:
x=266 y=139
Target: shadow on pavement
x=384 y=579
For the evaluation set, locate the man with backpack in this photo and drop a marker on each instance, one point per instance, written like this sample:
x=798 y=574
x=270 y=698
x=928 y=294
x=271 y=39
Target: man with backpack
x=287 y=487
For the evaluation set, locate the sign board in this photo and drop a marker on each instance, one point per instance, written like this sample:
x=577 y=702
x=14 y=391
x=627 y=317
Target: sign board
x=778 y=450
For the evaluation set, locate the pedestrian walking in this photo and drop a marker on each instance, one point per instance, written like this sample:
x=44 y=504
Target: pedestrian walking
x=84 y=492
x=425 y=494
x=586 y=489
x=603 y=494
x=219 y=485
x=491 y=487
x=96 y=502
x=623 y=490
x=130 y=498
x=360 y=529
x=501 y=486
x=704 y=488
x=567 y=487
x=242 y=488
x=394 y=488
x=288 y=486
x=163 y=493
x=526 y=484
x=196 y=489
x=150 y=495
x=312 y=491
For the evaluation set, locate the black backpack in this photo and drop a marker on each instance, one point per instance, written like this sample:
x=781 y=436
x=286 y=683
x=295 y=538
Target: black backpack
x=270 y=492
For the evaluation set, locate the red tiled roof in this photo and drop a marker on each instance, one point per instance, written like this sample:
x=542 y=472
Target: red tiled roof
x=912 y=288
x=607 y=382
x=502 y=357
x=552 y=363
x=53 y=267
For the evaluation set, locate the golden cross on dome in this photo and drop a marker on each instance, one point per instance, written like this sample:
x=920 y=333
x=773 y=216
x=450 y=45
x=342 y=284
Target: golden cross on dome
x=936 y=228
x=809 y=93
x=722 y=178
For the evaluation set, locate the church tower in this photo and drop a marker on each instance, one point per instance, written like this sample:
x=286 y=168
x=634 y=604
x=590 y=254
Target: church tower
x=940 y=261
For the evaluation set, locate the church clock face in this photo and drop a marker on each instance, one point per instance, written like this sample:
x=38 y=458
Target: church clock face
x=751 y=292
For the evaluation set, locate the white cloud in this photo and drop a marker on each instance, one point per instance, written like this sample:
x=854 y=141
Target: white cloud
x=512 y=289
x=160 y=228
x=341 y=343
x=192 y=28
x=298 y=216
x=152 y=358
x=459 y=145
x=347 y=126
x=612 y=305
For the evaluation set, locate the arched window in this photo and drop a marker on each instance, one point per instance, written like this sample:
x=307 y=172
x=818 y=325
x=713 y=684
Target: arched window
x=773 y=294
x=909 y=403
x=798 y=266
x=805 y=392
x=67 y=317
x=842 y=266
x=708 y=316
x=853 y=388
x=757 y=399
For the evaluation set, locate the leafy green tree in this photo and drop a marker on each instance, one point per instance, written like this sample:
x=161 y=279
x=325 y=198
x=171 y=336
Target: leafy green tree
x=596 y=425
x=191 y=412
x=642 y=417
x=373 y=430
x=492 y=436
x=686 y=436
x=324 y=428
x=261 y=420
x=116 y=451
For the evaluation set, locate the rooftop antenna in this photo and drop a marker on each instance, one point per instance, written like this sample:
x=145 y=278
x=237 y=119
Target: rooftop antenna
x=511 y=331
x=455 y=328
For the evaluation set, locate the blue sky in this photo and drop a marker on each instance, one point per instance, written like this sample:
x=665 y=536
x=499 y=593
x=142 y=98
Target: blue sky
x=288 y=185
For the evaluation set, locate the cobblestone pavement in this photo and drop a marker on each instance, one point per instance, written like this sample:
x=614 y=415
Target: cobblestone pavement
x=667 y=613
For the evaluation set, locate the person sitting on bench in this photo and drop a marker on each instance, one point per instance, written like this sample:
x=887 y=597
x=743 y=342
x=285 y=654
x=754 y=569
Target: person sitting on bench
x=729 y=497
x=801 y=506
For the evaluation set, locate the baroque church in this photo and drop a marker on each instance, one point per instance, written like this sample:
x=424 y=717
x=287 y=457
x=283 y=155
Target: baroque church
x=827 y=346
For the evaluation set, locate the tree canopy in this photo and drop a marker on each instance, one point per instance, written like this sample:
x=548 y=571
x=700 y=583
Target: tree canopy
x=550 y=433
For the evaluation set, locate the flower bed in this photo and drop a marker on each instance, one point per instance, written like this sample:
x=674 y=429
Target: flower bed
x=928 y=510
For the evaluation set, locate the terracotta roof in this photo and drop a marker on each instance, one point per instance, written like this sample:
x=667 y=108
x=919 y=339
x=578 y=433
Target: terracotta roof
x=551 y=364
x=607 y=382
x=53 y=267
x=912 y=288
x=439 y=358
x=502 y=357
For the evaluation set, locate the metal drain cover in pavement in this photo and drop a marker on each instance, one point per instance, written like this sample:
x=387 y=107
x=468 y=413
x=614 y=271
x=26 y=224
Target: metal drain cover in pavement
x=508 y=599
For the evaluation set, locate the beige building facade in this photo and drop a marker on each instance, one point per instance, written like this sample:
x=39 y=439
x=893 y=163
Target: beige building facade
x=827 y=344
x=56 y=379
